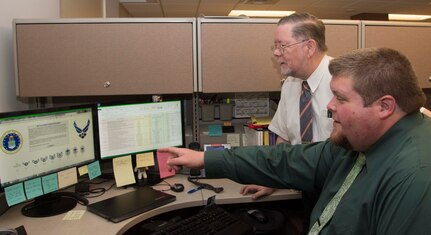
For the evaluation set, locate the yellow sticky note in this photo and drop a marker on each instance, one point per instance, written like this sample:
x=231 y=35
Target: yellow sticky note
x=67 y=177
x=145 y=159
x=74 y=215
x=123 y=171
x=83 y=170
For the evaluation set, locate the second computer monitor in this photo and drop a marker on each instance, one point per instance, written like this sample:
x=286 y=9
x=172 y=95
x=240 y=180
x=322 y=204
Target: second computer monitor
x=130 y=128
x=40 y=152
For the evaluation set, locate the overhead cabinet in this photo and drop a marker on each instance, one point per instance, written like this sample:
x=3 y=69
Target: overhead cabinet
x=411 y=39
x=94 y=57
x=105 y=57
x=235 y=56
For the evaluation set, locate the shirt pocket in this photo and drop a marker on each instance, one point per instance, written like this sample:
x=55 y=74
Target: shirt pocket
x=324 y=123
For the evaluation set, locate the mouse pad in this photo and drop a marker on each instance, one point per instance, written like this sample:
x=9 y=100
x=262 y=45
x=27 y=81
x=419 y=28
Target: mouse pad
x=121 y=207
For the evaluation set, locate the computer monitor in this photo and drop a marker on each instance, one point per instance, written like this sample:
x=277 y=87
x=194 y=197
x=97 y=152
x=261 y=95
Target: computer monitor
x=131 y=128
x=36 y=145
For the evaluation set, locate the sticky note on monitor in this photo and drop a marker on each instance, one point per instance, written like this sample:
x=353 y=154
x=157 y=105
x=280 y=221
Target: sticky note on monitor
x=144 y=159
x=123 y=171
x=94 y=170
x=33 y=188
x=15 y=194
x=162 y=158
x=67 y=177
x=50 y=183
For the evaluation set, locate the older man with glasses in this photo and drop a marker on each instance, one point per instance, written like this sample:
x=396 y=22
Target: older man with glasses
x=301 y=117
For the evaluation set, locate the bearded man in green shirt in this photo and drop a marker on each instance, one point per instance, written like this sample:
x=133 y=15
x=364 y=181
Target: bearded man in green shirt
x=374 y=172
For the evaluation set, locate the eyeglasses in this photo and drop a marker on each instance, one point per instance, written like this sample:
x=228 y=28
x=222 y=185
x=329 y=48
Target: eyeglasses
x=282 y=47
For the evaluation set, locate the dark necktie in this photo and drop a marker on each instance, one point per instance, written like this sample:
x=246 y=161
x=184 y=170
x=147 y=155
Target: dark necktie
x=306 y=114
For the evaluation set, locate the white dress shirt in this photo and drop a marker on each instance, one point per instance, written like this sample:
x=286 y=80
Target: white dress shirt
x=285 y=122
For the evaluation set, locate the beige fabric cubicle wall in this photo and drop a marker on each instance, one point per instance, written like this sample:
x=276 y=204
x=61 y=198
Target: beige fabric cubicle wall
x=235 y=56
x=412 y=39
x=82 y=57
x=79 y=57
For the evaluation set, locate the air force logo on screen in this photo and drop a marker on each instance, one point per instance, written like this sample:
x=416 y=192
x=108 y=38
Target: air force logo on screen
x=82 y=132
x=11 y=141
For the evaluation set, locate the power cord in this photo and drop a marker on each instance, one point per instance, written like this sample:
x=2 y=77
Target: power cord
x=94 y=192
x=165 y=183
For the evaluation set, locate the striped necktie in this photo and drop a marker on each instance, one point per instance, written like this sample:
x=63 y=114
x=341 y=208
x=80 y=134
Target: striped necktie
x=329 y=210
x=306 y=114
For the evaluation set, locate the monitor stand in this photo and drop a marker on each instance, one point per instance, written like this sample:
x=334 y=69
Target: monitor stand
x=50 y=204
x=151 y=172
x=148 y=181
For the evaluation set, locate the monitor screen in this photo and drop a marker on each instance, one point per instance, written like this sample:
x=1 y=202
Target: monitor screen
x=131 y=128
x=38 y=143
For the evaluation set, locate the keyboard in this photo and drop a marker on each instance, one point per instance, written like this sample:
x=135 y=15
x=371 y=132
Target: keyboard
x=211 y=220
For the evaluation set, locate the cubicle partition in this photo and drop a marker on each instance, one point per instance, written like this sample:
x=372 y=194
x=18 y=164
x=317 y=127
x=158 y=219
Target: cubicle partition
x=412 y=39
x=234 y=54
x=79 y=57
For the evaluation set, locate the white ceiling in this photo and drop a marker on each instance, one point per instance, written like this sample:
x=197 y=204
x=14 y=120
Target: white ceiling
x=324 y=9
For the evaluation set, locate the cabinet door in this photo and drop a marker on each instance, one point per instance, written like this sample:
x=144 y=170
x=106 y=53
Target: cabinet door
x=235 y=56
x=410 y=39
x=104 y=58
x=342 y=37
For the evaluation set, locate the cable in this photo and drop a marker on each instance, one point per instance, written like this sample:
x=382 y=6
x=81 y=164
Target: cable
x=99 y=191
x=166 y=183
x=205 y=186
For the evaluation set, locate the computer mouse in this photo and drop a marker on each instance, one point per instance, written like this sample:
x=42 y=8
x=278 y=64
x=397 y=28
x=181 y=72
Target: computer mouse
x=8 y=231
x=177 y=188
x=258 y=215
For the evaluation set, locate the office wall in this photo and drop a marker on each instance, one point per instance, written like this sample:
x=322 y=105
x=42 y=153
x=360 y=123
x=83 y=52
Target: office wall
x=81 y=8
x=10 y=9
x=112 y=8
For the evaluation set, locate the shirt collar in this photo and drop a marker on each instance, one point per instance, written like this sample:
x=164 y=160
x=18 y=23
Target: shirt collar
x=318 y=74
x=388 y=144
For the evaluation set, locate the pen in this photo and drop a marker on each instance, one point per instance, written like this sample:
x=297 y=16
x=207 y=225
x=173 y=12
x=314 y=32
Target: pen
x=195 y=189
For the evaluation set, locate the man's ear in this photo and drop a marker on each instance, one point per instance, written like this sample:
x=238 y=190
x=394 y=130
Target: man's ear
x=311 y=45
x=387 y=106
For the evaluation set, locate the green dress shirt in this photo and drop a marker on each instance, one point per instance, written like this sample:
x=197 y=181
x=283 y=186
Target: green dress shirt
x=391 y=195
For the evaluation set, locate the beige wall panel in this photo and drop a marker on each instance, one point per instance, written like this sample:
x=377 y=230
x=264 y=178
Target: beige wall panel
x=341 y=39
x=79 y=59
x=414 y=42
x=235 y=57
x=81 y=8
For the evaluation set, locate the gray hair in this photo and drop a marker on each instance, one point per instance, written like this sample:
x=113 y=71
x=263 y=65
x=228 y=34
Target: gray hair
x=306 y=26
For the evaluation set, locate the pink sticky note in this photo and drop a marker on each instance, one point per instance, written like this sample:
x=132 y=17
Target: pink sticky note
x=162 y=158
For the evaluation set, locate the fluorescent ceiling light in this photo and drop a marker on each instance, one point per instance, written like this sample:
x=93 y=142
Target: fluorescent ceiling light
x=260 y=13
x=139 y=1
x=408 y=17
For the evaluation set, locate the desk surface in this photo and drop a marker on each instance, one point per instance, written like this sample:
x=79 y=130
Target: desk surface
x=93 y=224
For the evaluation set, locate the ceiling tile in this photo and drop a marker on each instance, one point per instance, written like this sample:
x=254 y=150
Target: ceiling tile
x=216 y=7
x=325 y=9
x=143 y=9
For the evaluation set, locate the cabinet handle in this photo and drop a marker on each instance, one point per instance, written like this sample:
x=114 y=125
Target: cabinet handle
x=106 y=84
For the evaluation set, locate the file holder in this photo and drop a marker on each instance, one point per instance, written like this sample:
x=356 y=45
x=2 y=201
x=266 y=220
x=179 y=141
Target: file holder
x=207 y=112
x=226 y=112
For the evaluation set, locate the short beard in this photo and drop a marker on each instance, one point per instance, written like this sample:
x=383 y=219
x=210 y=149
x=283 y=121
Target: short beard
x=340 y=140
x=287 y=73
